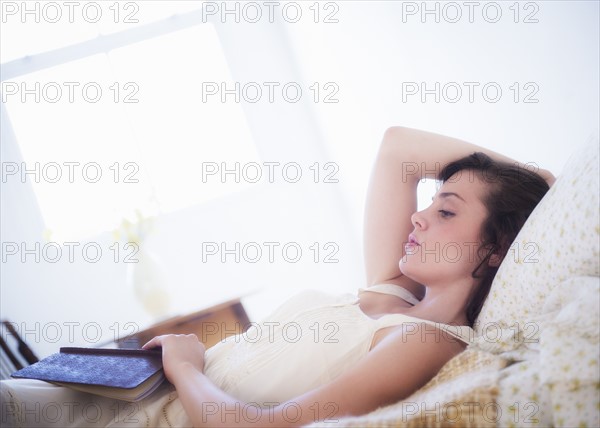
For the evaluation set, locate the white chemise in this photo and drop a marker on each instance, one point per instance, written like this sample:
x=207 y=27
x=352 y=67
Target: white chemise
x=307 y=342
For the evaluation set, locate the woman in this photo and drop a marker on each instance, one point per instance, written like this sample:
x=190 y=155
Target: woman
x=478 y=213
x=428 y=274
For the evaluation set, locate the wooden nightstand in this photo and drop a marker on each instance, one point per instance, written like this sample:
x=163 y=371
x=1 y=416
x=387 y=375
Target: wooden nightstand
x=211 y=325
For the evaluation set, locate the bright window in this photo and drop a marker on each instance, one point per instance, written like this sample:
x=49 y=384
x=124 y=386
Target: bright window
x=136 y=116
x=68 y=23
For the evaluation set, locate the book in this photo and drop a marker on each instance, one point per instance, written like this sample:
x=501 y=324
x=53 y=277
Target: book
x=123 y=374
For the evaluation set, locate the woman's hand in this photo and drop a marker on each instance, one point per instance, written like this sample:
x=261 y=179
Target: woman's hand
x=548 y=176
x=179 y=352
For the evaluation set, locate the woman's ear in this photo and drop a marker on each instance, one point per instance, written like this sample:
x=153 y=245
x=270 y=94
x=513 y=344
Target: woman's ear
x=494 y=257
x=495 y=260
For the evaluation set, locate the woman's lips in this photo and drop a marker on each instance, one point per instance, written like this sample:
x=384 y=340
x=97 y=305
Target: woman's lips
x=412 y=240
x=410 y=246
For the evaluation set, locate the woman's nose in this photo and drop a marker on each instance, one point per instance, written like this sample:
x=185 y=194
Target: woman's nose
x=418 y=220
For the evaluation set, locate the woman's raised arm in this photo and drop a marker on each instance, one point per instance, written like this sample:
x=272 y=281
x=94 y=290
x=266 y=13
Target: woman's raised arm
x=405 y=157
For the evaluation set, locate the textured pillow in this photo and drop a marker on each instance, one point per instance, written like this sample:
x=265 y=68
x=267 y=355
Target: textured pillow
x=543 y=306
x=559 y=240
x=569 y=352
x=559 y=385
x=462 y=394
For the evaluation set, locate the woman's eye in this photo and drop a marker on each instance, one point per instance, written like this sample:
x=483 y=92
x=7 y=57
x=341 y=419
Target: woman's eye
x=445 y=213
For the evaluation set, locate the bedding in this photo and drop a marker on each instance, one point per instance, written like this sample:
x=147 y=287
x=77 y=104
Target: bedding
x=558 y=241
x=544 y=306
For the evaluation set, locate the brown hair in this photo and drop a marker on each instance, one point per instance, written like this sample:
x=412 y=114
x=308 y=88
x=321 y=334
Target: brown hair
x=513 y=193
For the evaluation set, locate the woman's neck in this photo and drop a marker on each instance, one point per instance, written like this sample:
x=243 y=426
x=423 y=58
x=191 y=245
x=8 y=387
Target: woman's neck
x=445 y=303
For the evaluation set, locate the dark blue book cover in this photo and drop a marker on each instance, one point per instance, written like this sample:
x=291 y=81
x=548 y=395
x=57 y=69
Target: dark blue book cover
x=100 y=371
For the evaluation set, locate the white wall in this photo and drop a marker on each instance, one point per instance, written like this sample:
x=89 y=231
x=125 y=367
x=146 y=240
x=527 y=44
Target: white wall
x=368 y=54
x=376 y=47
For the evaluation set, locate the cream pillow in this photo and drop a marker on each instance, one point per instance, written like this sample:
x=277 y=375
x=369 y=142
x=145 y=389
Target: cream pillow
x=559 y=240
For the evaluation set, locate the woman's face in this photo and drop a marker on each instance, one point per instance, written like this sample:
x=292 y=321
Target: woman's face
x=447 y=233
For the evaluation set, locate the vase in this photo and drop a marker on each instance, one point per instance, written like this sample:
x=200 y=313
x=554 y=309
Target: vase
x=148 y=280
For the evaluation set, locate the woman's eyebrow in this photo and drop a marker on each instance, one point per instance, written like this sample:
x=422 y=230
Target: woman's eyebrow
x=447 y=194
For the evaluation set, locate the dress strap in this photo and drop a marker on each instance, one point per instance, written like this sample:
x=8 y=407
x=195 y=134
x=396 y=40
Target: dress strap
x=394 y=290
x=462 y=332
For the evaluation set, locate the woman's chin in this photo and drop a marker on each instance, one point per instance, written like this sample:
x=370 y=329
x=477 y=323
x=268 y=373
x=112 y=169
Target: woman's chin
x=420 y=273
x=406 y=270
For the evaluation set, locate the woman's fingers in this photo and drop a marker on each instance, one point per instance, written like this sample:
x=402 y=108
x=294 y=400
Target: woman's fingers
x=548 y=176
x=153 y=343
x=178 y=350
x=159 y=340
